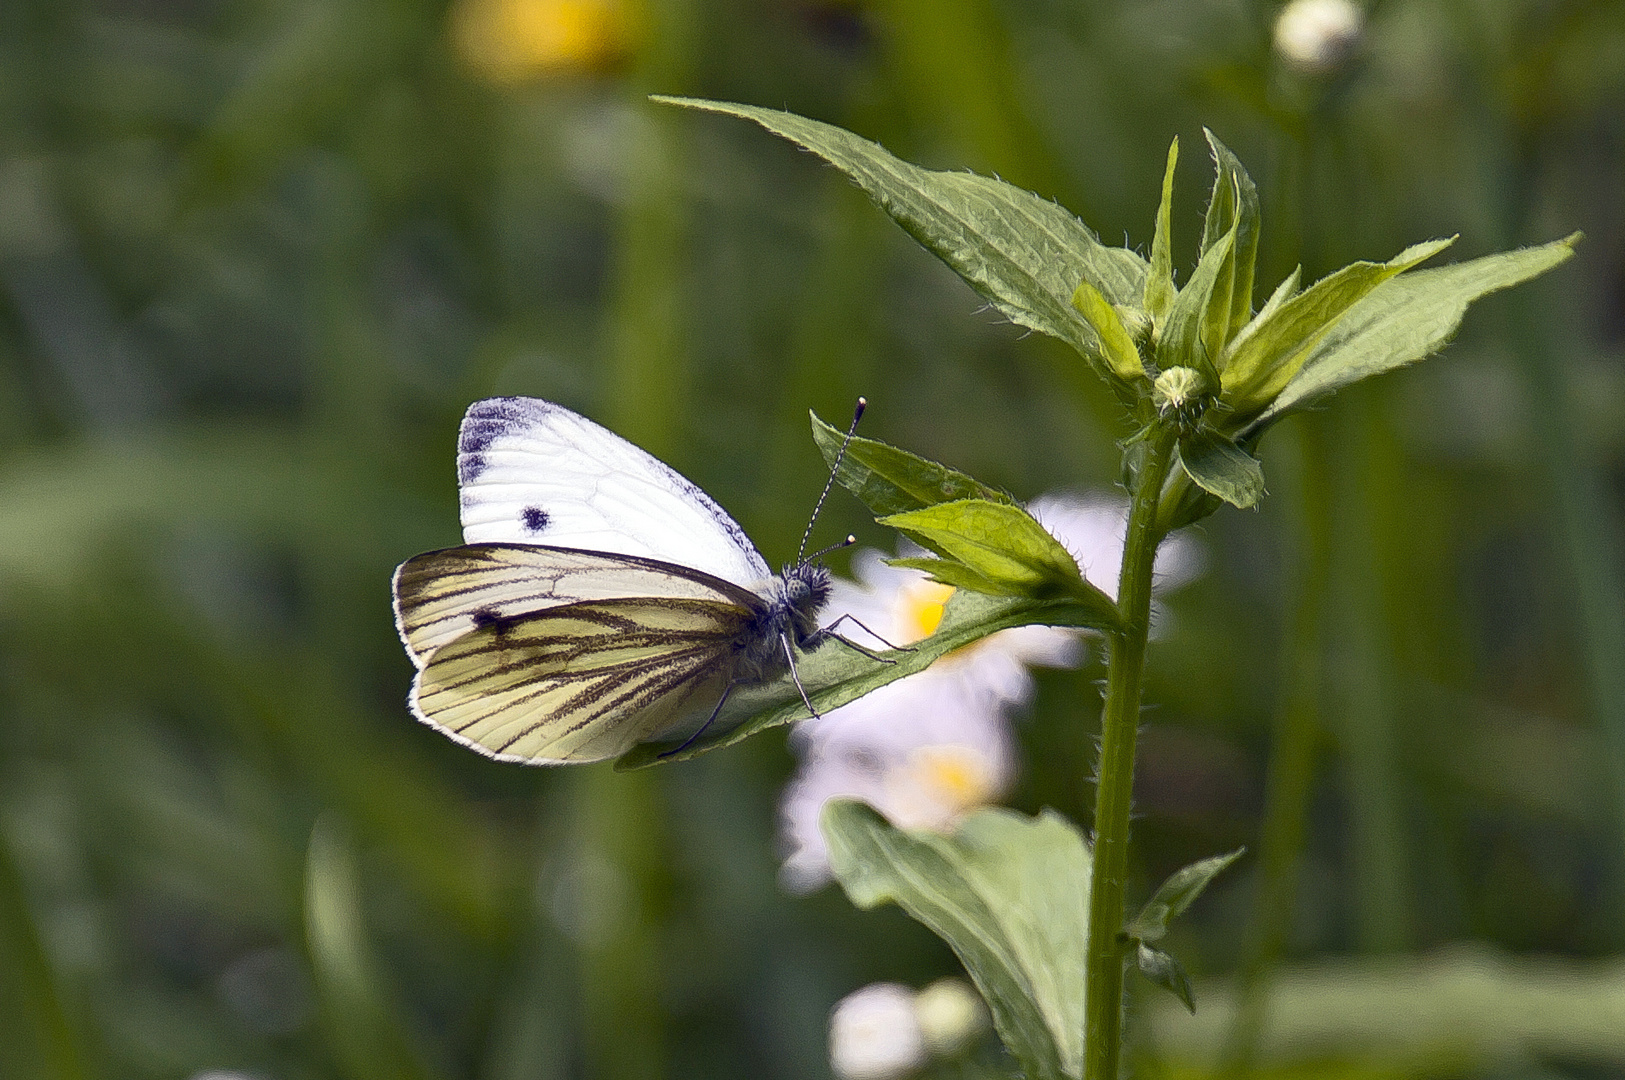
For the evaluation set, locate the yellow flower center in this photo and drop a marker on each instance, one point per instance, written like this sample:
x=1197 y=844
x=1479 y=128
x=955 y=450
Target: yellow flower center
x=509 y=41
x=956 y=776
x=919 y=609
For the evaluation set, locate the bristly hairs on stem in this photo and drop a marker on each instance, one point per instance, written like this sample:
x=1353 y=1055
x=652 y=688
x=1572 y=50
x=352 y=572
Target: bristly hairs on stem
x=857 y=414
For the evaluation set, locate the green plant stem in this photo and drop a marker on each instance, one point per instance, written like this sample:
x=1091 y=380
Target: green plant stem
x=1114 y=793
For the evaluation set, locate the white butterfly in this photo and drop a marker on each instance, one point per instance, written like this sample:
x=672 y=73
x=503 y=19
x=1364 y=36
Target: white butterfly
x=601 y=599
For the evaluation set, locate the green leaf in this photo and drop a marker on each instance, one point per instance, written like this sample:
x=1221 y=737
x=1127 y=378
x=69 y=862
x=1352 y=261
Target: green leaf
x=1222 y=468
x=1184 y=342
x=1024 y=254
x=1184 y=501
x=1008 y=893
x=889 y=480
x=1405 y=320
x=1117 y=347
x=1176 y=894
x=1286 y=290
x=1270 y=353
x=949 y=572
x=1167 y=973
x=1233 y=207
x=1004 y=544
x=1159 y=282
x=834 y=674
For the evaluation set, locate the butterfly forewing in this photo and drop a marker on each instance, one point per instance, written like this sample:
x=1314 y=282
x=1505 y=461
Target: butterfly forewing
x=584 y=681
x=444 y=595
x=531 y=472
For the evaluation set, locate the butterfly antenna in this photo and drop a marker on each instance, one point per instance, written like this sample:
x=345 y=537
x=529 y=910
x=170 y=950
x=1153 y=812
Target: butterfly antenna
x=848 y=542
x=857 y=414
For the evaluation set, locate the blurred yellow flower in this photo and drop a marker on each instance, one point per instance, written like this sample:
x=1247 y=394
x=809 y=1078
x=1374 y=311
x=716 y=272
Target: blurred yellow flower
x=511 y=41
x=920 y=604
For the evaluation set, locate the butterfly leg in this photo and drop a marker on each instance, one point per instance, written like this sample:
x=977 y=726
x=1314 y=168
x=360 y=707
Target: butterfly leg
x=855 y=647
x=830 y=630
x=795 y=676
x=688 y=742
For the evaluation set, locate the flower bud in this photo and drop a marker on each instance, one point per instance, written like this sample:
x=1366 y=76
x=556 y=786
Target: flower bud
x=1180 y=392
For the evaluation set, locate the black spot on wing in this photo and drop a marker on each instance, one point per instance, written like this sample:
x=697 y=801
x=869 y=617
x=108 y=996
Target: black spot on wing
x=534 y=518
x=485 y=618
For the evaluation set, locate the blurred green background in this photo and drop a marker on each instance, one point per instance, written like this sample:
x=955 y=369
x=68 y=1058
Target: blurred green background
x=256 y=257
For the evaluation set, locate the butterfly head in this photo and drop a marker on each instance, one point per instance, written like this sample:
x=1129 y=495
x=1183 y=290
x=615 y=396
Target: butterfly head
x=806 y=588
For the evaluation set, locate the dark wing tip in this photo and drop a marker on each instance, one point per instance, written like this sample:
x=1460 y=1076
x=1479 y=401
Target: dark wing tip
x=491 y=418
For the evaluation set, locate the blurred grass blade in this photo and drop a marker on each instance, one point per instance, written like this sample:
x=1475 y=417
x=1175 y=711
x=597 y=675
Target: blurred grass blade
x=36 y=1040
x=890 y=480
x=1023 y=253
x=1008 y=893
x=370 y=1037
x=65 y=507
x=1406 y=319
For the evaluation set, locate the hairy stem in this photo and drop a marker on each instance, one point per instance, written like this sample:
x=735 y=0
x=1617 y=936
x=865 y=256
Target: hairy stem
x=1103 y=1016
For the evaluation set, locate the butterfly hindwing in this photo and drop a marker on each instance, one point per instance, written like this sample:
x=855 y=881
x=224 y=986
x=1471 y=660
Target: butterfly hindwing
x=443 y=595
x=531 y=472
x=584 y=681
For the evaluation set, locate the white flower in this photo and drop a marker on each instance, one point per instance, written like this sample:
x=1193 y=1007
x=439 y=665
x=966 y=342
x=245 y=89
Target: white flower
x=1091 y=527
x=1316 y=36
x=951 y=1016
x=926 y=749
x=874 y=1034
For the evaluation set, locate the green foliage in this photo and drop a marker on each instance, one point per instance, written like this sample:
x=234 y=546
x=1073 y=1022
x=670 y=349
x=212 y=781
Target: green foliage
x=1222 y=468
x=1167 y=904
x=1403 y=321
x=889 y=480
x=256 y=258
x=1045 y=270
x=1166 y=972
x=1121 y=355
x=1159 y=282
x=1191 y=337
x=1006 y=548
x=1007 y=893
x=1024 y=254
x=1262 y=361
x=986 y=542
x=1178 y=893
x=1232 y=210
